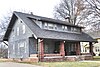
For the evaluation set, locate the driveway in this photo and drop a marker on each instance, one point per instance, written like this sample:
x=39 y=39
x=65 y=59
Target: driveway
x=12 y=64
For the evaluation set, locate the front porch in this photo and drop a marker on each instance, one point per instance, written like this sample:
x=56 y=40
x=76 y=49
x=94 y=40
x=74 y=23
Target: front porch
x=57 y=50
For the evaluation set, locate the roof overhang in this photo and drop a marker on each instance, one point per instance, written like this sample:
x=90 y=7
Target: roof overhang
x=9 y=28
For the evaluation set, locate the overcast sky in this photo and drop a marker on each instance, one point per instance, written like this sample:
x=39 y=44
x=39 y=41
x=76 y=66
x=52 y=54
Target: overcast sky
x=38 y=7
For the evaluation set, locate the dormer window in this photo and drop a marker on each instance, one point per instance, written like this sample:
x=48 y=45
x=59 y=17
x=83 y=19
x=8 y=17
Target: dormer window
x=45 y=25
x=75 y=29
x=55 y=26
x=64 y=28
x=50 y=26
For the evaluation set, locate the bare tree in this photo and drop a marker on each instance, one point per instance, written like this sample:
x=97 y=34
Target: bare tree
x=6 y=19
x=94 y=9
x=74 y=10
x=95 y=6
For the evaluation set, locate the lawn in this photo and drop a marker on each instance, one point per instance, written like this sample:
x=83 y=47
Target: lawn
x=96 y=58
x=70 y=64
x=67 y=64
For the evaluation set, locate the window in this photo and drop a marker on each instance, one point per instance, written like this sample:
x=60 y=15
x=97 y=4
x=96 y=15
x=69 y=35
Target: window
x=72 y=28
x=17 y=31
x=23 y=27
x=75 y=29
x=18 y=49
x=50 y=26
x=96 y=49
x=39 y=23
x=64 y=28
x=13 y=48
x=55 y=26
x=45 y=25
x=25 y=47
x=21 y=45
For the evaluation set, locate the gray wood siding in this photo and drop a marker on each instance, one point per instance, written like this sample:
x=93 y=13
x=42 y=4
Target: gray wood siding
x=19 y=44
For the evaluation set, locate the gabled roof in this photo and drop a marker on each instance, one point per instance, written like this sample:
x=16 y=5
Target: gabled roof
x=48 y=34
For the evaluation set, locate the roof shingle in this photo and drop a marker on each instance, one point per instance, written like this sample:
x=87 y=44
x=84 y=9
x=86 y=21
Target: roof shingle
x=42 y=33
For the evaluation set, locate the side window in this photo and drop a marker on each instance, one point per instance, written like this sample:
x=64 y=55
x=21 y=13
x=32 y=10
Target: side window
x=23 y=28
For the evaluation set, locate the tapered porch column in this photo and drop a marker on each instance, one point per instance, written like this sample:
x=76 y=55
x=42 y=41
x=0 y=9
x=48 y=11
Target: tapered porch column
x=62 y=52
x=91 y=48
x=78 y=49
x=41 y=50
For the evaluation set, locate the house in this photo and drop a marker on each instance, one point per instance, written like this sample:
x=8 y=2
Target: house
x=84 y=47
x=96 y=46
x=35 y=38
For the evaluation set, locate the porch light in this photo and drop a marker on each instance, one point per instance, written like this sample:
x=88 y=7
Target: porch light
x=64 y=41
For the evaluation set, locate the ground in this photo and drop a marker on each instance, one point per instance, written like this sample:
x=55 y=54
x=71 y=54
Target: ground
x=12 y=64
x=52 y=64
x=93 y=63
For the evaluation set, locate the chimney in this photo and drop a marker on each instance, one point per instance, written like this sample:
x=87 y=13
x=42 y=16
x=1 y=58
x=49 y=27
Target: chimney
x=32 y=13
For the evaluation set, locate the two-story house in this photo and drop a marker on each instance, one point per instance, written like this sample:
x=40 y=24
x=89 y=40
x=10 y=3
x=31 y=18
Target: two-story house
x=96 y=46
x=36 y=38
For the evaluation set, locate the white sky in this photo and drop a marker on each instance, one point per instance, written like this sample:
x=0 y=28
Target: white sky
x=38 y=7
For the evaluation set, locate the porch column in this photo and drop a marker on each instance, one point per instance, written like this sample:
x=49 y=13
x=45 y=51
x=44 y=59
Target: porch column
x=41 y=50
x=78 y=50
x=62 y=52
x=91 y=48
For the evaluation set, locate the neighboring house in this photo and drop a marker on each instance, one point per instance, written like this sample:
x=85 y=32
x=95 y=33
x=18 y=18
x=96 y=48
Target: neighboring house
x=96 y=36
x=35 y=38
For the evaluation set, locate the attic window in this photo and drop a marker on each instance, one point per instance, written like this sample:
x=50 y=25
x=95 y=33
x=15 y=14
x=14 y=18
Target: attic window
x=21 y=21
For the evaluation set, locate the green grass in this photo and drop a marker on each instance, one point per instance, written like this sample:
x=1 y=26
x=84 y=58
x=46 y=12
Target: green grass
x=70 y=64
x=67 y=64
x=96 y=58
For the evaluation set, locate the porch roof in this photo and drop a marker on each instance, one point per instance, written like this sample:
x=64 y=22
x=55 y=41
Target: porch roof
x=49 y=34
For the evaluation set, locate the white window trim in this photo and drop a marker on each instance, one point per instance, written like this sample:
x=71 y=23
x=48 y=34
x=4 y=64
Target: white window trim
x=17 y=31
x=24 y=30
